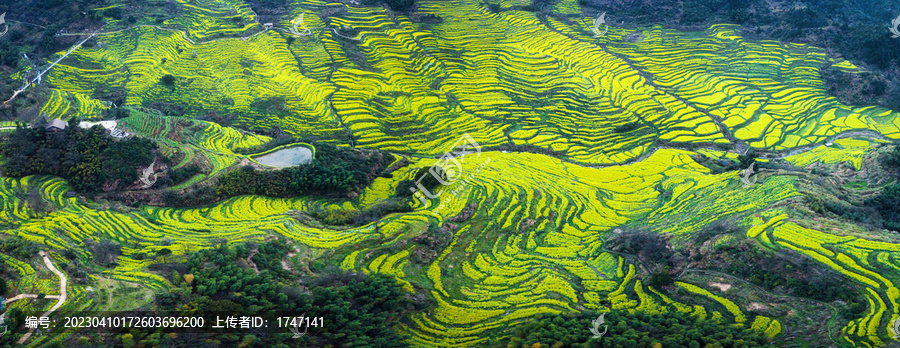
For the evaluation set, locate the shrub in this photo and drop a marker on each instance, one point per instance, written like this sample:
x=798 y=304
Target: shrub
x=87 y=158
x=430 y=245
x=181 y=174
x=628 y=127
x=105 y=252
x=661 y=279
x=400 y=5
x=19 y=248
x=647 y=245
x=167 y=80
x=784 y=271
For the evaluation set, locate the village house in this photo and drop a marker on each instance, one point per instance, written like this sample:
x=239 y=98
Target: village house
x=56 y=126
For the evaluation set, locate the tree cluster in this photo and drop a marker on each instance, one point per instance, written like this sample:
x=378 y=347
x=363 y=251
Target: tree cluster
x=724 y=164
x=333 y=171
x=624 y=329
x=88 y=158
x=105 y=253
x=340 y=217
x=359 y=310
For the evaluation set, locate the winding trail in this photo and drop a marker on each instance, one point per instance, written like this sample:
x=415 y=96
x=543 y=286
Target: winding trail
x=109 y=300
x=24 y=296
x=63 y=295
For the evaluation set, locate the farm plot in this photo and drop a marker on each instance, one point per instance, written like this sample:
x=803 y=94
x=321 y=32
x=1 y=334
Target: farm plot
x=863 y=261
x=529 y=250
x=525 y=232
x=505 y=78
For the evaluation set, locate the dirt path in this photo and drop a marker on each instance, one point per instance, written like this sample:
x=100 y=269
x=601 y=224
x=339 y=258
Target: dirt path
x=147 y=173
x=109 y=300
x=23 y=296
x=63 y=295
x=250 y=261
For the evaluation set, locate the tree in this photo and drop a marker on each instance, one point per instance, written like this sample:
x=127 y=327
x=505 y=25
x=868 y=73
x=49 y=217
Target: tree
x=164 y=252
x=105 y=252
x=363 y=310
x=168 y=80
x=3 y=286
x=88 y=158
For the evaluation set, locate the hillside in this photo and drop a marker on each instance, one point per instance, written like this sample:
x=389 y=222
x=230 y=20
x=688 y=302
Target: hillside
x=606 y=171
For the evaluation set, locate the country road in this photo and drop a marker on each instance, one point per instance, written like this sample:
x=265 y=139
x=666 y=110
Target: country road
x=21 y=296
x=63 y=295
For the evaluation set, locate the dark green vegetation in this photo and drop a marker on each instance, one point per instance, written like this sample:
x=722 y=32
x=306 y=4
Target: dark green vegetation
x=22 y=250
x=671 y=329
x=892 y=159
x=360 y=217
x=721 y=165
x=334 y=171
x=179 y=175
x=168 y=80
x=430 y=244
x=628 y=127
x=88 y=158
x=406 y=188
x=248 y=280
x=15 y=317
x=105 y=252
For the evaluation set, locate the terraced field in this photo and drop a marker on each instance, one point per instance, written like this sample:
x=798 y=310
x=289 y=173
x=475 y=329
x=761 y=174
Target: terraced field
x=582 y=136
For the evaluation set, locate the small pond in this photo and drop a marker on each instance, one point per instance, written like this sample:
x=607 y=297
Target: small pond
x=286 y=157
